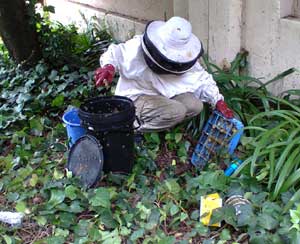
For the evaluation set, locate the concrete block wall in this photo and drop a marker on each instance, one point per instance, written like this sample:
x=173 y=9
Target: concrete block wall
x=138 y=9
x=225 y=19
x=272 y=39
x=260 y=35
x=125 y=18
x=268 y=29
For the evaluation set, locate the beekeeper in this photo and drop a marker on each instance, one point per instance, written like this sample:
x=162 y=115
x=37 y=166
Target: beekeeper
x=160 y=72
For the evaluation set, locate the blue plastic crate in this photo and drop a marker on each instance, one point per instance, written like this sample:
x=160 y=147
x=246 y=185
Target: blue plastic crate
x=219 y=134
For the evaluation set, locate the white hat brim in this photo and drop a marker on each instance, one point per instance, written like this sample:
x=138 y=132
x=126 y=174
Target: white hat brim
x=180 y=53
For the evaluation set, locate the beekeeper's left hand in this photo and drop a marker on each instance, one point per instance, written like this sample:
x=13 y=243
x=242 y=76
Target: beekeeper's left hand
x=222 y=107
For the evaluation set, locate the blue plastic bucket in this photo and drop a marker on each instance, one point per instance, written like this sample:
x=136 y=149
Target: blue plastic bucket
x=74 y=130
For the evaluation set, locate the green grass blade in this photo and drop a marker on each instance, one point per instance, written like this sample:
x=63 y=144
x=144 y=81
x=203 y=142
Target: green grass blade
x=284 y=114
x=262 y=141
x=295 y=92
x=284 y=156
x=285 y=171
x=255 y=128
x=246 y=162
x=238 y=60
x=293 y=179
x=272 y=166
x=280 y=100
x=278 y=144
x=294 y=198
x=279 y=77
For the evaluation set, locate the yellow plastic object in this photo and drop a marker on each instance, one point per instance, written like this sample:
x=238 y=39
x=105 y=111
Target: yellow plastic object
x=208 y=204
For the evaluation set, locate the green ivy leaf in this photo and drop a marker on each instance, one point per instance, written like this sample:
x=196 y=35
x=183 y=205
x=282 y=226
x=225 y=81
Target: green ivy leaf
x=101 y=198
x=81 y=229
x=61 y=232
x=75 y=207
x=13 y=196
x=153 y=220
x=70 y=192
x=137 y=234
x=21 y=207
x=225 y=235
x=110 y=237
x=53 y=75
x=34 y=180
x=58 y=101
x=155 y=137
x=178 y=137
x=183 y=216
x=167 y=240
x=36 y=126
x=7 y=239
x=57 y=174
x=246 y=216
x=295 y=237
x=67 y=219
x=172 y=186
x=41 y=220
x=125 y=231
x=107 y=218
x=22 y=98
x=57 y=197
x=266 y=221
x=54 y=240
x=174 y=209
x=49 y=8
x=94 y=233
x=209 y=241
x=226 y=213
x=143 y=210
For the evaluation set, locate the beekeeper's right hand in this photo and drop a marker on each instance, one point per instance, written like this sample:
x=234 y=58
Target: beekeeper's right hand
x=104 y=76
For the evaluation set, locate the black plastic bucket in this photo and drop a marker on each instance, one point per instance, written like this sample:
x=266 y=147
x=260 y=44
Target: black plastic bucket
x=110 y=119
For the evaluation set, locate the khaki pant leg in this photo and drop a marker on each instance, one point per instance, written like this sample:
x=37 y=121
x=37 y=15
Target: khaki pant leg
x=158 y=113
x=193 y=105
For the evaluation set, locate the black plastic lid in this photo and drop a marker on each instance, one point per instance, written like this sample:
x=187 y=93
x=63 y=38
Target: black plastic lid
x=86 y=160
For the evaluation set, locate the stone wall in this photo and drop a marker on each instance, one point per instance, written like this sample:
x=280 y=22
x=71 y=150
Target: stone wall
x=125 y=18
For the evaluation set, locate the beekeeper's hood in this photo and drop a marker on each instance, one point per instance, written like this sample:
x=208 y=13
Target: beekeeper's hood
x=170 y=47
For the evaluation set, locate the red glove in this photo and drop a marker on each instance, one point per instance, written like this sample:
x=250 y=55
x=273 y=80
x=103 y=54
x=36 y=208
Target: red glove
x=222 y=107
x=104 y=76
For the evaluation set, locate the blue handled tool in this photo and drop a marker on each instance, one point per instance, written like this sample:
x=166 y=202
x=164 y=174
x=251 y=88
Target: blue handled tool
x=233 y=166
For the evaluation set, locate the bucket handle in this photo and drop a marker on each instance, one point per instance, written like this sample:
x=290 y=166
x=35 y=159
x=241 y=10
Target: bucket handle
x=125 y=130
x=139 y=123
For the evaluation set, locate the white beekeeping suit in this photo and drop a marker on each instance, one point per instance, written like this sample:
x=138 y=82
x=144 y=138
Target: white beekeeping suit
x=160 y=72
x=137 y=79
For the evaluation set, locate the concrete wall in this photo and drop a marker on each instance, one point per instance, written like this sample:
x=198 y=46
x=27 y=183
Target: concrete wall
x=124 y=18
x=272 y=40
x=139 y=9
x=268 y=29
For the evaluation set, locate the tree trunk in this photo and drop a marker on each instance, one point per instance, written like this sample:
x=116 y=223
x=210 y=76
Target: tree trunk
x=18 y=34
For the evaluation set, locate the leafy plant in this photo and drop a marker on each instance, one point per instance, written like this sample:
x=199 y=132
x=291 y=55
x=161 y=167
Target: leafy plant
x=295 y=218
x=175 y=141
x=64 y=45
x=272 y=125
x=275 y=147
x=246 y=95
